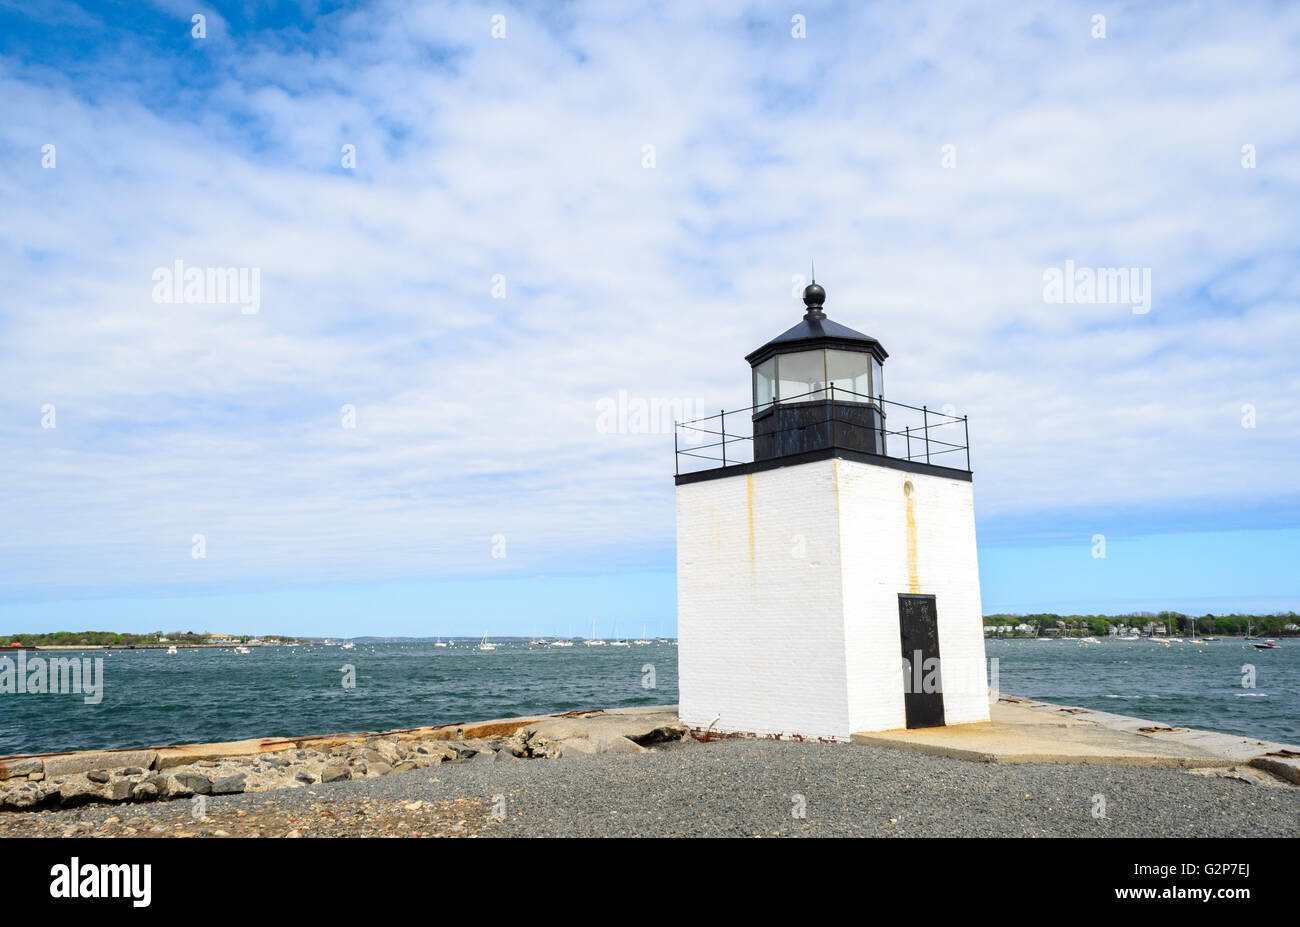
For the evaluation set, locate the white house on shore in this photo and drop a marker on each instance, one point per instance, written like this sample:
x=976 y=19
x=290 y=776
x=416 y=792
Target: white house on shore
x=827 y=578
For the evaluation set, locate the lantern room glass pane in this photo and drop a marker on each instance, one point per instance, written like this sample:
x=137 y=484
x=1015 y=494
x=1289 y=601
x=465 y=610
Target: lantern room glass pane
x=851 y=372
x=800 y=375
x=764 y=384
x=877 y=378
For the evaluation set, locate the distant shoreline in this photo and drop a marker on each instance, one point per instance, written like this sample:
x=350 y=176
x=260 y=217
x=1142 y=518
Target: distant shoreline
x=67 y=647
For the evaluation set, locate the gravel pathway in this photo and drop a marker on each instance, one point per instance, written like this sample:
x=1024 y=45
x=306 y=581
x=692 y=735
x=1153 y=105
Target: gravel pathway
x=726 y=788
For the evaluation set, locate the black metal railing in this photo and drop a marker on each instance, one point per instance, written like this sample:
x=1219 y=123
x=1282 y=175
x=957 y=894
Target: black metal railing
x=898 y=430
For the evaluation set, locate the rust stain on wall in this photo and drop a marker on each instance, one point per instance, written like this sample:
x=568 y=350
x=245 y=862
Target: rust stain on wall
x=913 y=578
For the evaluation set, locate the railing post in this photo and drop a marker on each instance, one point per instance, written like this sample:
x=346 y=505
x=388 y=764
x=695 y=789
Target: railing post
x=722 y=414
x=908 y=431
x=966 y=426
x=830 y=414
x=925 y=420
x=880 y=417
x=677 y=460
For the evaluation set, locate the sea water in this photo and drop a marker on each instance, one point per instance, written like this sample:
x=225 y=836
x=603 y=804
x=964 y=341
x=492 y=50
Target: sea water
x=202 y=695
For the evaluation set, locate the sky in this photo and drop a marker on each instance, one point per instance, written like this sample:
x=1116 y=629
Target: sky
x=474 y=227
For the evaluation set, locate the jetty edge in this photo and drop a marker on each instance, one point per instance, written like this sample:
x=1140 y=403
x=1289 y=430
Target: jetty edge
x=1024 y=730
x=37 y=781
x=1021 y=730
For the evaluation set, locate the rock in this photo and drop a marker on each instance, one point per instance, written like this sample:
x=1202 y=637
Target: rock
x=35 y=777
x=378 y=769
x=303 y=776
x=20 y=766
x=118 y=790
x=614 y=743
x=144 y=791
x=174 y=788
x=70 y=764
x=237 y=751
x=436 y=753
x=1285 y=767
x=77 y=790
x=462 y=751
x=229 y=785
x=602 y=743
x=22 y=796
x=131 y=771
x=576 y=746
x=195 y=784
x=642 y=729
x=97 y=775
x=384 y=750
x=406 y=767
x=504 y=755
x=484 y=755
x=335 y=772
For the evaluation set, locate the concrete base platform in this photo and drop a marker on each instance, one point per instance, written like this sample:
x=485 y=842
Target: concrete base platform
x=1026 y=731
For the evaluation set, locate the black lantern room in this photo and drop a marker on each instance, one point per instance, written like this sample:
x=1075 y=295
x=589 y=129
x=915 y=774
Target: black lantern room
x=819 y=385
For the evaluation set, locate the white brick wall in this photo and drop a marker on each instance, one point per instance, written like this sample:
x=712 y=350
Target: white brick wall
x=873 y=545
x=787 y=589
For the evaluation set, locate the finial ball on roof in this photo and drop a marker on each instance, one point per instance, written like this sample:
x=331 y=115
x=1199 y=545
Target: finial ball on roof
x=813 y=295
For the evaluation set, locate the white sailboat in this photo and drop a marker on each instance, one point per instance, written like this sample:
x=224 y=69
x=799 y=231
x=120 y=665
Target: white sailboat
x=617 y=641
x=439 y=642
x=591 y=641
x=485 y=645
x=643 y=639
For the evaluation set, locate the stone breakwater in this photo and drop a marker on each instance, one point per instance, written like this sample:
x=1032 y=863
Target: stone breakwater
x=165 y=773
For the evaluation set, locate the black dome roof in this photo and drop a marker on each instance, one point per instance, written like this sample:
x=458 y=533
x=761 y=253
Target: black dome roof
x=815 y=330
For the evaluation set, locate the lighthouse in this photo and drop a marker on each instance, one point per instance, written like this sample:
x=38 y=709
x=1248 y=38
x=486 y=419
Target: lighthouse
x=827 y=576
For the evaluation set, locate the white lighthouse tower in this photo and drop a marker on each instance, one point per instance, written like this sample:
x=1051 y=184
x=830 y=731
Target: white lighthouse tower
x=827 y=578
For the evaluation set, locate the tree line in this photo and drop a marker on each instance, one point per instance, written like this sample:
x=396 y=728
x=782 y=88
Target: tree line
x=1176 y=623
x=118 y=639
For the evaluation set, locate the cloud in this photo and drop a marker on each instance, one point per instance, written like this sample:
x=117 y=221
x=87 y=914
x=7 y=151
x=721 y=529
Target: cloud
x=522 y=157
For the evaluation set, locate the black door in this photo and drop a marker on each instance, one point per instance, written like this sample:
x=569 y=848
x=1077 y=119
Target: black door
x=918 y=624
